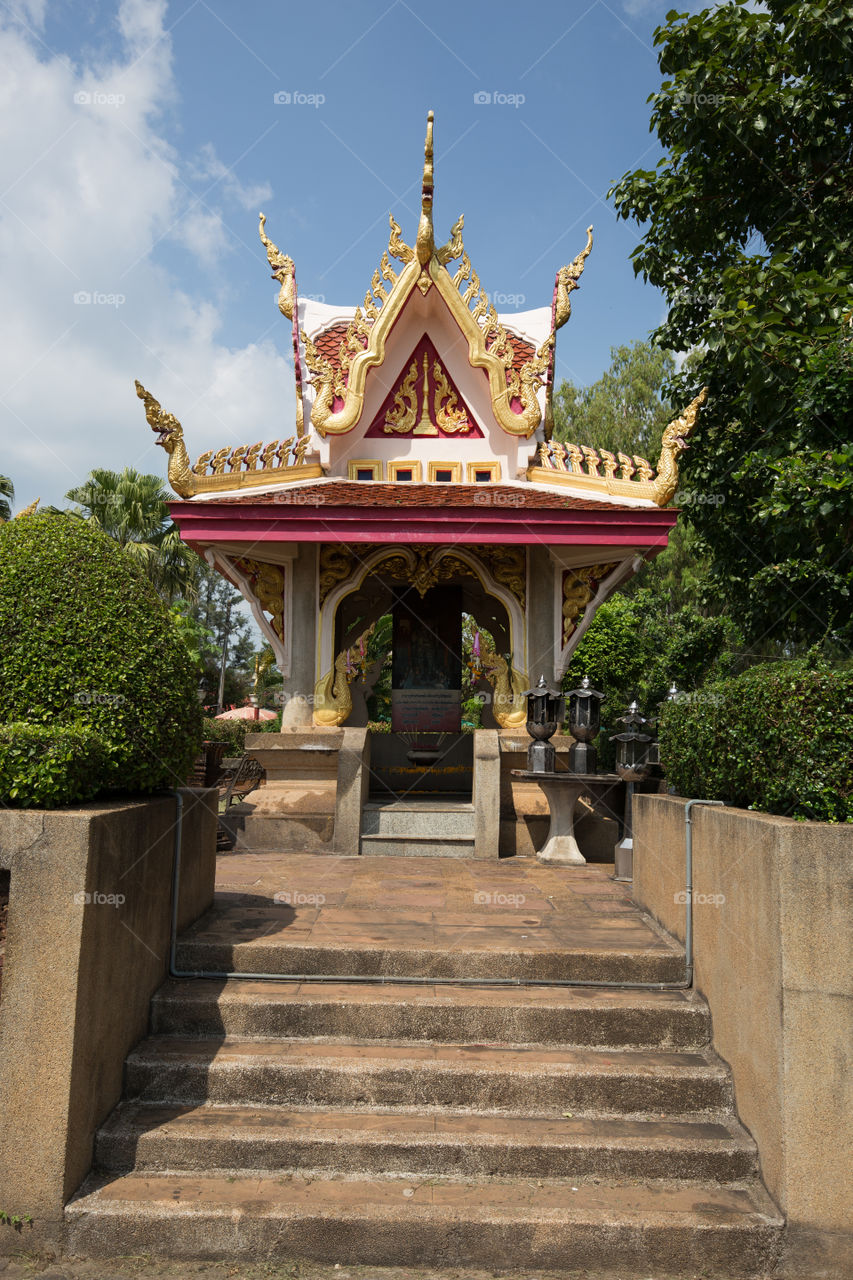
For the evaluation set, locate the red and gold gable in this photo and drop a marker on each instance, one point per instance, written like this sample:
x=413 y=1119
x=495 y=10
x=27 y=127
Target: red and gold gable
x=424 y=401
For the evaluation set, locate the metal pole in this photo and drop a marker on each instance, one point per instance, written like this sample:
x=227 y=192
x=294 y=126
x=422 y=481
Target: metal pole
x=688 y=877
x=221 y=693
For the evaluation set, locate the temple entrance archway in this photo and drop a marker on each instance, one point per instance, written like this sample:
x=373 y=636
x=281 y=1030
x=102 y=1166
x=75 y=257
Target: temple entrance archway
x=396 y=621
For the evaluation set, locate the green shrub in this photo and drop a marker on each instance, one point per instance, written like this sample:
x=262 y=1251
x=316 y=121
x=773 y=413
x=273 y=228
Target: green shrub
x=231 y=732
x=776 y=738
x=43 y=766
x=88 y=644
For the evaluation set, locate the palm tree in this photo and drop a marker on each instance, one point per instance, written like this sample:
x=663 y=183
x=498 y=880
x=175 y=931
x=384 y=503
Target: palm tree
x=7 y=495
x=133 y=509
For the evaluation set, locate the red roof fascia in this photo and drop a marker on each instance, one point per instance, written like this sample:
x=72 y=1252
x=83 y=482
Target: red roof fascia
x=208 y=523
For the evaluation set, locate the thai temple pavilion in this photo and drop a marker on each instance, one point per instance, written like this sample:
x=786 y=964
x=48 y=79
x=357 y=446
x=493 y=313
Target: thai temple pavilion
x=419 y=478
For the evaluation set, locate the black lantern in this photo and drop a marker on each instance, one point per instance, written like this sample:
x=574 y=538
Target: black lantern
x=632 y=765
x=544 y=713
x=584 y=724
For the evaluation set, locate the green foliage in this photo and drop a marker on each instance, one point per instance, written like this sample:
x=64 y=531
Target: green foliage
x=44 y=766
x=223 y=636
x=17 y=1221
x=7 y=496
x=748 y=230
x=775 y=738
x=623 y=409
x=231 y=732
x=88 y=643
x=133 y=509
x=195 y=638
x=636 y=648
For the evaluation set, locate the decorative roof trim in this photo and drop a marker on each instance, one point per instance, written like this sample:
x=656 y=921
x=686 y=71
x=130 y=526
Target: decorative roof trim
x=339 y=399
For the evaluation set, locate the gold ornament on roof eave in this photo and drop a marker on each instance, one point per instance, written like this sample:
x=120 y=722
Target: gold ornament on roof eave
x=489 y=345
x=283 y=270
x=249 y=466
x=579 y=467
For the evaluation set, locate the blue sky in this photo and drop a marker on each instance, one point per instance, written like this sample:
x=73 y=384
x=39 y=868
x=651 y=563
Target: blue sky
x=140 y=139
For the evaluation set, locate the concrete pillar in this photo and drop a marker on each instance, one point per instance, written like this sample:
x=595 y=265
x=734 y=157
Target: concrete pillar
x=299 y=684
x=542 y=650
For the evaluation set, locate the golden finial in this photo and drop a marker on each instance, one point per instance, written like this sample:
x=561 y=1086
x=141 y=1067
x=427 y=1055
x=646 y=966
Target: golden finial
x=425 y=243
x=28 y=511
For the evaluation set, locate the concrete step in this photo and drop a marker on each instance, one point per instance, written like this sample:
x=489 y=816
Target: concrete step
x=152 y=1137
x=412 y=1222
x=392 y=845
x=512 y=1015
x=433 y=819
x=479 y=1077
x=249 y=939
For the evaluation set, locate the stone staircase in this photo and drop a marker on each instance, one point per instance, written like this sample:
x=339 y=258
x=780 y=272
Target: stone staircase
x=434 y=1125
x=418 y=827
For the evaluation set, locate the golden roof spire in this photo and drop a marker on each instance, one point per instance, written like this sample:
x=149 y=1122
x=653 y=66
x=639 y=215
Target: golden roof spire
x=425 y=243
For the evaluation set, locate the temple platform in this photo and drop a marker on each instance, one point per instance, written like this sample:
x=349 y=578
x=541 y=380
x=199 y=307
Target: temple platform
x=426 y=917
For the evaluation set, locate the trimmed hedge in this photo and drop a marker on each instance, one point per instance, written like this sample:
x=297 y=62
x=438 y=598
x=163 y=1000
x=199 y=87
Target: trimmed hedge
x=88 y=645
x=778 y=738
x=44 y=766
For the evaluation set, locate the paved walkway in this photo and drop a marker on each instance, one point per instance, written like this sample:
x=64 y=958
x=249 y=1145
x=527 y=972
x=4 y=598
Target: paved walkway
x=517 y=905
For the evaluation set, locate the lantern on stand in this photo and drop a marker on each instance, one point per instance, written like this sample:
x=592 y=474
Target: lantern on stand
x=632 y=765
x=545 y=709
x=584 y=724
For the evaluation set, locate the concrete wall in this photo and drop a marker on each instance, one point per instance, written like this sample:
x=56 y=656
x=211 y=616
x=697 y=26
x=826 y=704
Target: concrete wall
x=773 y=958
x=79 y=976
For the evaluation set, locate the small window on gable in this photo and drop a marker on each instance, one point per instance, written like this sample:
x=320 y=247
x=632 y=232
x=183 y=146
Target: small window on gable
x=483 y=472
x=444 y=475
x=364 y=469
x=409 y=472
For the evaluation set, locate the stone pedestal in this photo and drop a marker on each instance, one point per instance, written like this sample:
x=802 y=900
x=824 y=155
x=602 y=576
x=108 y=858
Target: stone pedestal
x=562 y=791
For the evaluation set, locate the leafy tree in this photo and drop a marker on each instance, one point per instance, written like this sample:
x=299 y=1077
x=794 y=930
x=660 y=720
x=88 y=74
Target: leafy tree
x=637 y=647
x=225 y=641
x=7 y=496
x=623 y=410
x=748 y=223
x=132 y=509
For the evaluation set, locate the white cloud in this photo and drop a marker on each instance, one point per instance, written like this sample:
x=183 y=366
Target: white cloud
x=210 y=169
x=89 y=187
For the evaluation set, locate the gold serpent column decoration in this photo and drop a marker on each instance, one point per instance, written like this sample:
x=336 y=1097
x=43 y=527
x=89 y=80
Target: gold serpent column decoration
x=509 y=706
x=336 y=565
x=579 y=586
x=508 y=567
x=267 y=584
x=332 y=698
